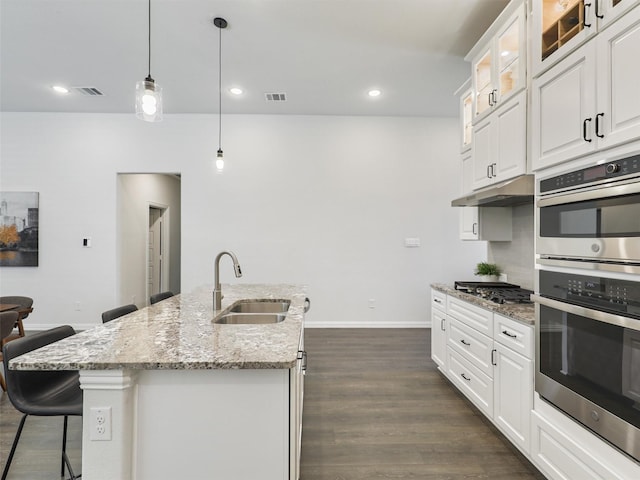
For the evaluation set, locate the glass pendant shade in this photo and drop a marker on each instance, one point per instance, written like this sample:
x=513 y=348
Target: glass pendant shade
x=148 y=100
x=219 y=161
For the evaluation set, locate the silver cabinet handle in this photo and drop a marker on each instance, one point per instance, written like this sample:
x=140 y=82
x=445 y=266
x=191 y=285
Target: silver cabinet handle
x=442 y=325
x=474 y=228
x=493 y=359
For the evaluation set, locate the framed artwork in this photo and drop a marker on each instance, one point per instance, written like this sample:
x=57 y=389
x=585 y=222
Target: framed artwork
x=19 y=229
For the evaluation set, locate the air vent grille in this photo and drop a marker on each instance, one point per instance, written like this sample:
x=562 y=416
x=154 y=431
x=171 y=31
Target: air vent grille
x=275 y=97
x=89 y=91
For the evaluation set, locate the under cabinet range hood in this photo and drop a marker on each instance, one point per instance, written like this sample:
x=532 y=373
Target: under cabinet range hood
x=517 y=191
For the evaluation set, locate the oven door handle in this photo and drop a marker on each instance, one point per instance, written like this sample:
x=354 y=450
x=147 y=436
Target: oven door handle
x=593 y=194
x=598 y=315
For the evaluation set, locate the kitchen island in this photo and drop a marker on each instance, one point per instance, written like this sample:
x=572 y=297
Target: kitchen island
x=185 y=397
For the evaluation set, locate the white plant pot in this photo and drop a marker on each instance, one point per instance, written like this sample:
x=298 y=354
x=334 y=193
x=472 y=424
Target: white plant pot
x=488 y=278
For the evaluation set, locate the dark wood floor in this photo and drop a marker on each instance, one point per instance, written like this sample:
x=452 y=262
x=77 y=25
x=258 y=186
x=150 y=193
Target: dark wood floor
x=375 y=408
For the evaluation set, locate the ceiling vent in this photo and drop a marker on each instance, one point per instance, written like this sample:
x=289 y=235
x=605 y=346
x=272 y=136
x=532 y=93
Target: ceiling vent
x=275 y=97
x=89 y=91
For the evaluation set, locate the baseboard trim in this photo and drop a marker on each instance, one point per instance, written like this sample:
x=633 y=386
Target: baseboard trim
x=367 y=325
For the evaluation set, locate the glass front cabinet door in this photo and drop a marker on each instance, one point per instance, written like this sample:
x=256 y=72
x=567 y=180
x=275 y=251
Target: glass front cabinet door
x=465 y=97
x=499 y=64
x=560 y=26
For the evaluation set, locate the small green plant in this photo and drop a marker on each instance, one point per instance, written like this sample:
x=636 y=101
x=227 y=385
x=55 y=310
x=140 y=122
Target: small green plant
x=484 y=268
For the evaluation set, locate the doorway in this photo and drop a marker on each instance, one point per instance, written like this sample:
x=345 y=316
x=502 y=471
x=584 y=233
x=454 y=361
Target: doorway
x=148 y=232
x=155 y=261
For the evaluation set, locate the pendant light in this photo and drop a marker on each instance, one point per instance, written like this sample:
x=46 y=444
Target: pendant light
x=148 y=92
x=220 y=23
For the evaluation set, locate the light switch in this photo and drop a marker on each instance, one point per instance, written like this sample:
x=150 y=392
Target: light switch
x=411 y=242
x=86 y=242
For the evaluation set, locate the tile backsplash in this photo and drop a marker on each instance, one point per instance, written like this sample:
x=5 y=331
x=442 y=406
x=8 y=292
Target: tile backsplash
x=516 y=258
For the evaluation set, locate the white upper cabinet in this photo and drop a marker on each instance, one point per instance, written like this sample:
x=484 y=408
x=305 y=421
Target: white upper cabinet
x=618 y=70
x=562 y=101
x=499 y=61
x=500 y=144
x=561 y=26
x=465 y=98
x=590 y=100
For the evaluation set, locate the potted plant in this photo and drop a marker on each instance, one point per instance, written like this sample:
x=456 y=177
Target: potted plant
x=488 y=272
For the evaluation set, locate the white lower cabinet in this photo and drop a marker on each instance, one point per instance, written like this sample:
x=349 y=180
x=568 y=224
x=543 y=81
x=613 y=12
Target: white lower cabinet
x=438 y=328
x=513 y=395
x=296 y=402
x=513 y=380
x=489 y=357
x=477 y=386
x=565 y=450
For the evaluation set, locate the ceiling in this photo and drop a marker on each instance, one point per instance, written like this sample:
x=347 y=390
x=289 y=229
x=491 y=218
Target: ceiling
x=324 y=54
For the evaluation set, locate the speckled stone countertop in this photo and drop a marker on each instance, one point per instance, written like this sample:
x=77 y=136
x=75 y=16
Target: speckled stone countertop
x=179 y=334
x=523 y=312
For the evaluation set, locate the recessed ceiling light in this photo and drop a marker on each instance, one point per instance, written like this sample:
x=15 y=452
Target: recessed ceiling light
x=374 y=93
x=60 y=89
x=236 y=91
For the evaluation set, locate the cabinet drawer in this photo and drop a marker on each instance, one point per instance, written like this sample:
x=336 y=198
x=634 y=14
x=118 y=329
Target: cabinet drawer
x=558 y=457
x=472 y=345
x=471 y=315
x=515 y=335
x=438 y=300
x=472 y=382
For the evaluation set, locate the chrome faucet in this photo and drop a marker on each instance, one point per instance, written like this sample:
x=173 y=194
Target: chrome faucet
x=217 y=290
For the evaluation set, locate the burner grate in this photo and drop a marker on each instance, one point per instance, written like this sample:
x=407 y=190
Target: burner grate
x=497 y=292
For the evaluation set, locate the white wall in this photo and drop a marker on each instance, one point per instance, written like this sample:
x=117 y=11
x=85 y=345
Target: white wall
x=325 y=201
x=136 y=193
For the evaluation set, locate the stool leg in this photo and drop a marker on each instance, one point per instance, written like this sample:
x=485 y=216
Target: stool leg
x=64 y=445
x=13 y=448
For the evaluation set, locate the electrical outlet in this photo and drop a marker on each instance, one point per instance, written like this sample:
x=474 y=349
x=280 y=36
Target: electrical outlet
x=372 y=303
x=100 y=423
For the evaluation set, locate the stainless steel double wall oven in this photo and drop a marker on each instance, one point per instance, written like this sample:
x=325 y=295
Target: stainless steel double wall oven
x=588 y=298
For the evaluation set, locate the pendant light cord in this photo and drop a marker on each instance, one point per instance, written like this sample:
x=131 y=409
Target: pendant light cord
x=220 y=90
x=149 y=42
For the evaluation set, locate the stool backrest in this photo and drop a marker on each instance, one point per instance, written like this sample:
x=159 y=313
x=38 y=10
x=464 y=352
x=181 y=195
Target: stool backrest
x=26 y=386
x=118 y=312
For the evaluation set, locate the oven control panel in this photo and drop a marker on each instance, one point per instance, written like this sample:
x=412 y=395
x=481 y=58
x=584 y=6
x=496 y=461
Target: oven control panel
x=618 y=296
x=613 y=169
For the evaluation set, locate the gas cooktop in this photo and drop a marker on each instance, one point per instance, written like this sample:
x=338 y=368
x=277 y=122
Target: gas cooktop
x=497 y=292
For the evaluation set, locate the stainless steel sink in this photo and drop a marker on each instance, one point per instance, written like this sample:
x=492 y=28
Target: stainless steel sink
x=261 y=306
x=250 y=318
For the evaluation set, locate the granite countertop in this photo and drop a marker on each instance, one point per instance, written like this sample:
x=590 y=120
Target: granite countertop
x=179 y=334
x=522 y=312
